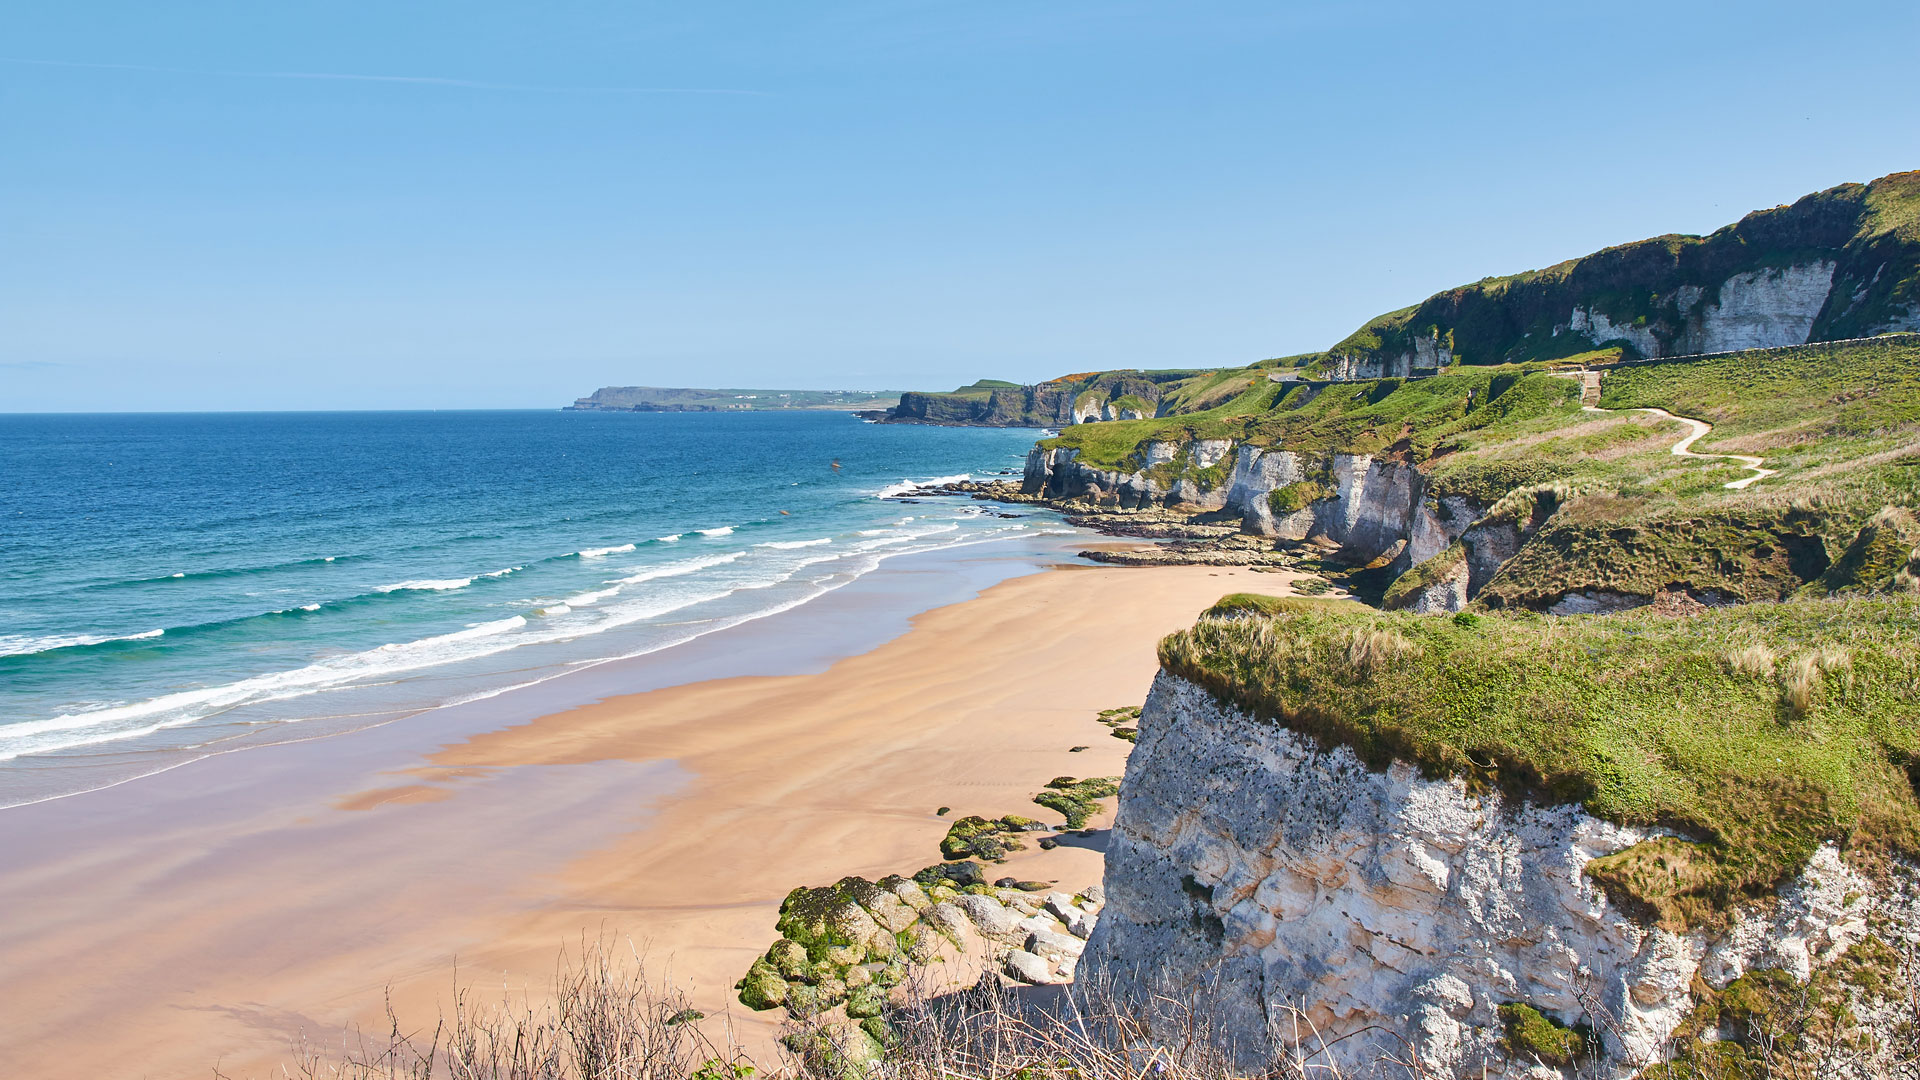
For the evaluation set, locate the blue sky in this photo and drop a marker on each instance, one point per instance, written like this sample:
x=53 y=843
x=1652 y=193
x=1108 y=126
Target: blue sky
x=416 y=205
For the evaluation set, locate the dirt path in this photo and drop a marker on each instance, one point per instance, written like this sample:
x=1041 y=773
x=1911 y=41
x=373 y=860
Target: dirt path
x=1683 y=448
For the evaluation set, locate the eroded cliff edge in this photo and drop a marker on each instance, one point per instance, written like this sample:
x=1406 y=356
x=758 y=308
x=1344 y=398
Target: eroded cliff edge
x=1302 y=857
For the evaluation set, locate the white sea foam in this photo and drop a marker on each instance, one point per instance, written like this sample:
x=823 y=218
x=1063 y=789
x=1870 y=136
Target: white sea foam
x=587 y=598
x=905 y=486
x=686 y=566
x=309 y=607
x=554 y=609
x=788 y=545
x=187 y=706
x=670 y=538
x=509 y=570
x=27 y=644
x=427 y=585
x=597 y=553
x=724 y=530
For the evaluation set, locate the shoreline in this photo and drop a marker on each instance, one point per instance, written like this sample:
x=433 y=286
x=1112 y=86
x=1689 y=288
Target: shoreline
x=676 y=816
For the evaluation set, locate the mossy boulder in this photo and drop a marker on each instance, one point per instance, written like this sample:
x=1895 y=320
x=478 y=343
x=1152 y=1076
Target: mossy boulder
x=763 y=987
x=866 y=1001
x=977 y=837
x=832 y=917
x=789 y=958
x=950 y=875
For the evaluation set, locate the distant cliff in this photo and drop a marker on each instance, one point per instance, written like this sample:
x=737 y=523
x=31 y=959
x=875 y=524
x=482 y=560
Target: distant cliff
x=1837 y=264
x=1070 y=399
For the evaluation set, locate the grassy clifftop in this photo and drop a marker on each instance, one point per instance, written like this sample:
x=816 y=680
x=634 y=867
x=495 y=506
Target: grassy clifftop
x=1415 y=417
x=1757 y=733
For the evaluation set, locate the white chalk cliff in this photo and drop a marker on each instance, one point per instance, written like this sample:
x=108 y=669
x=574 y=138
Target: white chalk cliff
x=1319 y=904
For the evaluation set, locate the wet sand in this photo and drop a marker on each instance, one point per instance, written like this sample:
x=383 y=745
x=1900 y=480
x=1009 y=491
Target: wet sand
x=677 y=818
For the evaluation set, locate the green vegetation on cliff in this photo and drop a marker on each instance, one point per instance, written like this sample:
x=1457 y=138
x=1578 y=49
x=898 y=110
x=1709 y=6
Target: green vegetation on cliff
x=1756 y=732
x=1415 y=417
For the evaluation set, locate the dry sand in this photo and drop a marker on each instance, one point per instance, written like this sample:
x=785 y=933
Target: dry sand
x=678 y=818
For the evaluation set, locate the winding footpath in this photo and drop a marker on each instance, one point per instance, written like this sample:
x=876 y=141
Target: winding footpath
x=1683 y=448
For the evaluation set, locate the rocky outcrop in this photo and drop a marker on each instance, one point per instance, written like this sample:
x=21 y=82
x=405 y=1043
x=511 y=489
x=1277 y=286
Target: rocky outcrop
x=1360 y=504
x=1022 y=406
x=1075 y=399
x=1350 y=914
x=845 y=946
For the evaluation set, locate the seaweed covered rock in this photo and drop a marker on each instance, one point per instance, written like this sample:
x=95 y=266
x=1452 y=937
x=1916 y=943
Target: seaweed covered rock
x=847 y=944
x=1077 y=800
x=993 y=839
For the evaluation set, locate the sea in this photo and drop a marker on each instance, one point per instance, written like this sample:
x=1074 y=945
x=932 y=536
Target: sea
x=174 y=586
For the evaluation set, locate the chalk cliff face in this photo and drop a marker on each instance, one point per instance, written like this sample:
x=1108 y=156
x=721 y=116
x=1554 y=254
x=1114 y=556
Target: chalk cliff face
x=1322 y=904
x=1365 y=506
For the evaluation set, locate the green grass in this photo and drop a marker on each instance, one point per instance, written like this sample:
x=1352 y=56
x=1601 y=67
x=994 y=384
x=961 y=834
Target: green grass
x=1755 y=732
x=1801 y=409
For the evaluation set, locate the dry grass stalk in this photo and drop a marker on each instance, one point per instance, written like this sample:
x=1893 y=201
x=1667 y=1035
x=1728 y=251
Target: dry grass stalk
x=603 y=1021
x=1371 y=650
x=1756 y=660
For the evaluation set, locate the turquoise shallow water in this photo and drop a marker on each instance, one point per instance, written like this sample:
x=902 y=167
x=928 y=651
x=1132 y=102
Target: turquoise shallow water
x=175 y=585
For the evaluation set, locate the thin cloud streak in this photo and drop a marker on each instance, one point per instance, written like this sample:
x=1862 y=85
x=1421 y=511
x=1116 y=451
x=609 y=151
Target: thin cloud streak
x=417 y=80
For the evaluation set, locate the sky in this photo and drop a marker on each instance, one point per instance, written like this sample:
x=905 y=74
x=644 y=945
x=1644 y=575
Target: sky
x=490 y=205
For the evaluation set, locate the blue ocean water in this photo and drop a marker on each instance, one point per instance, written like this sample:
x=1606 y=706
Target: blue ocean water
x=172 y=585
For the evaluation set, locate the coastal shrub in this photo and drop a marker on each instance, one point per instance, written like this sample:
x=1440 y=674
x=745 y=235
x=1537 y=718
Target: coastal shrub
x=1532 y=1034
x=1424 y=575
x=1484 y=482
x=1639 y=717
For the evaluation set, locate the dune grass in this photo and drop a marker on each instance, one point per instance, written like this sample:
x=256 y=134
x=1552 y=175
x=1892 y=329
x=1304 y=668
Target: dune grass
x=1643 y=719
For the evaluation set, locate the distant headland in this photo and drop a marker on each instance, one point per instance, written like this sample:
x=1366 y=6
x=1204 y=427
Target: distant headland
x=685 y=399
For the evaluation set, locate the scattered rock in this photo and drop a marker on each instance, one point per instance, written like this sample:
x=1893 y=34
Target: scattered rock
x=1049 y=943
x=1080 y=923
x=1028 y=968
x=993 y=919
x=1039 y=921
x=1049 y=844
x=1075 y=749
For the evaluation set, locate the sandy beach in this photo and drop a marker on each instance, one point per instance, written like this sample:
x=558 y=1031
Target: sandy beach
x=677 y=818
